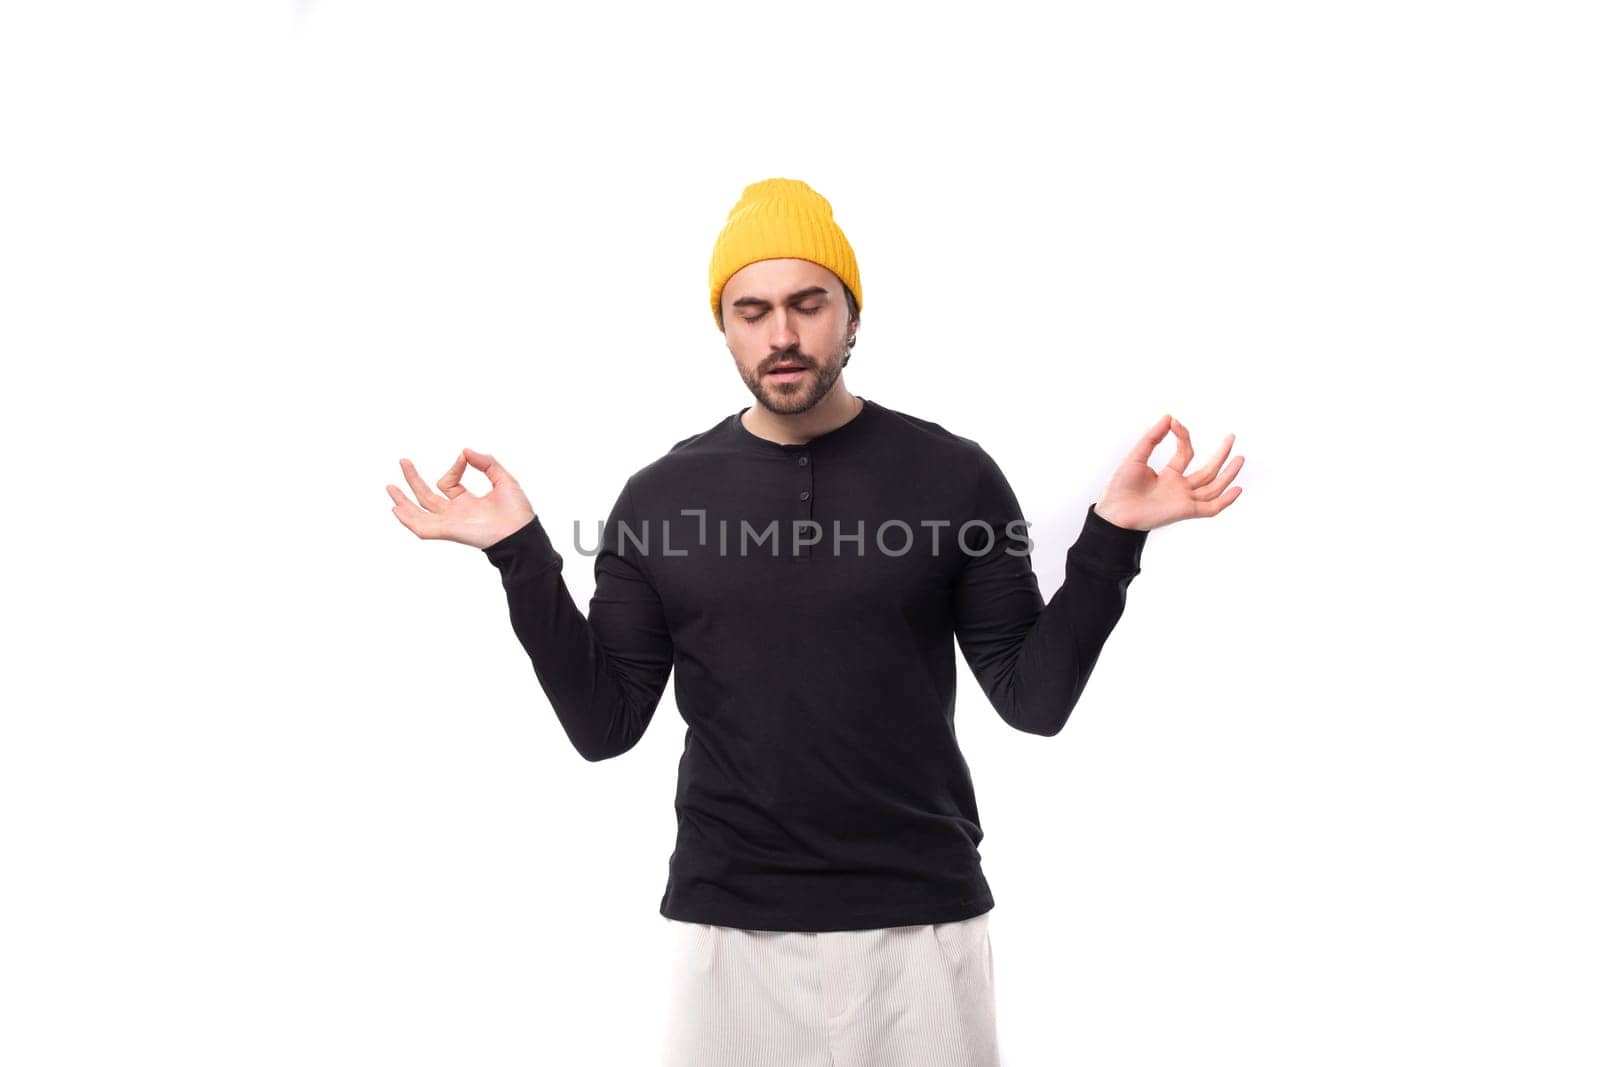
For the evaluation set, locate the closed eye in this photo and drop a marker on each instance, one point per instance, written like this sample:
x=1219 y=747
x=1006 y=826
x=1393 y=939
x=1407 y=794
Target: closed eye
x=758 y=318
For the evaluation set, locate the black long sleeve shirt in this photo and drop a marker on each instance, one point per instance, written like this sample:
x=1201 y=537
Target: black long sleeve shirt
x=810 y=598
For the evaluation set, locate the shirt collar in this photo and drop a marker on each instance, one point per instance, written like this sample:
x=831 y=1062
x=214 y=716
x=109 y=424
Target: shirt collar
x=837 y=436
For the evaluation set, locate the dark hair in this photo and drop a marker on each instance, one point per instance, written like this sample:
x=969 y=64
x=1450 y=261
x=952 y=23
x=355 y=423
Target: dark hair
x=852 y=311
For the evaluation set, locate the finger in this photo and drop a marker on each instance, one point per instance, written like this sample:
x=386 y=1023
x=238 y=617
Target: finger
x=422 y=523
x=1152 y=437
x=1185 y=453
x=450 y=485
x=1209 y=510
x=1214 y=489
x=498 y=475
x=1209 y=471
x=427 y=498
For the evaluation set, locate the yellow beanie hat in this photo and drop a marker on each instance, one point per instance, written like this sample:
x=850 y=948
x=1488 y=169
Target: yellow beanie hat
x=781 y=218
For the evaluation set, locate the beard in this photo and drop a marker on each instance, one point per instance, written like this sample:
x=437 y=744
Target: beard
x=791 y=398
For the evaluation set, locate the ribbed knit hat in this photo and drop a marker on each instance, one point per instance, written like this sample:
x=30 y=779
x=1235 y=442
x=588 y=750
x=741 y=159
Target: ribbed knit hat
x=781 y=218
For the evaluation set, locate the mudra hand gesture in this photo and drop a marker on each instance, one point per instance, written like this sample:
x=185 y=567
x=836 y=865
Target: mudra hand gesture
x=1139 y=498
x=458 y=515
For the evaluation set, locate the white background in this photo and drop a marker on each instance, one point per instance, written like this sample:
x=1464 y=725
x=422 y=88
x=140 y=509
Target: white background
x=277 y=785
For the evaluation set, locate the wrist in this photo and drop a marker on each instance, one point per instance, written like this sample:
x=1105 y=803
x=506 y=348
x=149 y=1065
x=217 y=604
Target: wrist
x=1114 y=516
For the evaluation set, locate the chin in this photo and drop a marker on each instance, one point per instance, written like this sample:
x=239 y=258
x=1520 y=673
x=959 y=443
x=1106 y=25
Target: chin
x=789 y=403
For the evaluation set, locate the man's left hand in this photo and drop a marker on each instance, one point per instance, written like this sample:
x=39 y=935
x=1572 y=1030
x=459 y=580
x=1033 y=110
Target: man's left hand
x=1139 y=498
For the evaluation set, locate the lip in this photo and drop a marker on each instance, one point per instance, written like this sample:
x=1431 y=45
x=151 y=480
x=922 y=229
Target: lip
x=784 y=372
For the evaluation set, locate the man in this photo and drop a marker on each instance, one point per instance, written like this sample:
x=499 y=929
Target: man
x=805 y=566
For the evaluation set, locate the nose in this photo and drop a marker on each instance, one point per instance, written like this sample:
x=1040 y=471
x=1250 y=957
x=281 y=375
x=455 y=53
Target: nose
x=784 y=335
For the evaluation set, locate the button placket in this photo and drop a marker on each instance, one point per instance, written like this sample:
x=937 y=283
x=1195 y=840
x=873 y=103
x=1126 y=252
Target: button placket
x=803 y=462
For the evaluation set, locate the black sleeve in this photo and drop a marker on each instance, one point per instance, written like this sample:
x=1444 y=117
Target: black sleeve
x=603 y=674
x=1033 y=659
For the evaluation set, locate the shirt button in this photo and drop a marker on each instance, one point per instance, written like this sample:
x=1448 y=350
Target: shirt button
x=803 y=461
x=805 y=494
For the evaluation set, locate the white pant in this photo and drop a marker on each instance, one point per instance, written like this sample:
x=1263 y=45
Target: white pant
x=899 y=996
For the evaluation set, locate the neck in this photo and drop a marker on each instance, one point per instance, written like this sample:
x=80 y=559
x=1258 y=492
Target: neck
x=830 y=413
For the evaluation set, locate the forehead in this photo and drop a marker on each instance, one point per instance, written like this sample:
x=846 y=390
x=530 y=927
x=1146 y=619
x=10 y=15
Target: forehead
x=775 y=279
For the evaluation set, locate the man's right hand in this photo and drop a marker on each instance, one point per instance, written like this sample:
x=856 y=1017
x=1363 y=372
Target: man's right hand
x=459 y=516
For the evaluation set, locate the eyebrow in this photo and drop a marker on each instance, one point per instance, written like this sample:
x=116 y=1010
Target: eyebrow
x=755 y=301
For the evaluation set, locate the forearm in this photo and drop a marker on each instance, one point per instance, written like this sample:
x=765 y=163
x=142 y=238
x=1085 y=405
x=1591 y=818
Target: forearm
x=603 y=696
x=1034 y=666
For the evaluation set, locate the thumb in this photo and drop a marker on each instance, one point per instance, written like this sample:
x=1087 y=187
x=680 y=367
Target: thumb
x=498 y=475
